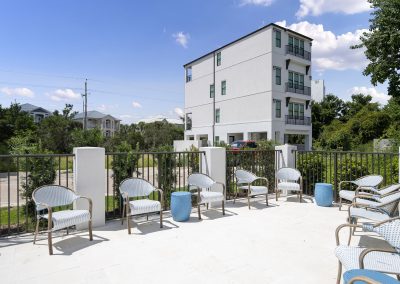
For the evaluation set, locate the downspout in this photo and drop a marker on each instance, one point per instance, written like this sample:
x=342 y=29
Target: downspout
x=215 y=93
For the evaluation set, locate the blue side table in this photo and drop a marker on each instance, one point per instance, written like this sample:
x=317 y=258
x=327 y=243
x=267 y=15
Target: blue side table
x=323 y=194
x=181 y=205
x=374 y=275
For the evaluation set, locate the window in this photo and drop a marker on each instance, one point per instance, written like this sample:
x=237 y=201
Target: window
x=296 y=110
x=108 y=123
x=217 y=115
x=296 y=45
x=188 y=121
x=223 y=88
x=218 y=58
x=290 y=79
x=216 y=140
x=277 y=75
x=212 y=91
x=296 y=80
x=278 y=110
x=277 y=38
x=277 y=136
x=188 y=74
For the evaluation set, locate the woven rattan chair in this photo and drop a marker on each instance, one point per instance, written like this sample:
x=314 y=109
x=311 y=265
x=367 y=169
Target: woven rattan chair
x=245 y=180
x=203 y=183
x=382 y=260
x=50 y=196
x=139 y=188
x=370 y=182
x=289 y=179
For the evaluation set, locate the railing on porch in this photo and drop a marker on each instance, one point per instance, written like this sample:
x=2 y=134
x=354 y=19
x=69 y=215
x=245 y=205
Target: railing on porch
x=334 y=167
x=262 y=163
x=19 y=173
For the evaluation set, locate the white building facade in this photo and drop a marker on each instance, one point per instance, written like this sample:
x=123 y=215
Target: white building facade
x=95 y=119
x=257 y=87
x=318 y=90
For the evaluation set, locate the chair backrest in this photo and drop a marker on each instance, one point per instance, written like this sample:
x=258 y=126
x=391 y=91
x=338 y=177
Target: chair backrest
x=200 y=180
x=370 y=180
x=288 y=174
x=390 y=202
x=136 y=187
x=390 y=231
x=243 y=176
x=53 y=195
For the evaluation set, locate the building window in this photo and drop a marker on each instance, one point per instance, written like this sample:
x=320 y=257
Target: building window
x=188 y=74
x=278 y=109
x=278 y=75
x=188 y=121
x=277 y=38
x=223 y=88
x=296 y=45
x=277 y=136
x=219 y=58
x=212 y=91
x=108 y=123
x=296 y=111
x=296 y=80
x=217 y=115
x=216 y=140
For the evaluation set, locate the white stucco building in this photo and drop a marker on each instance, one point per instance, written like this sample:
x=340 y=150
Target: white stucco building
x=105 y=122
x=256 y=87
x=318 y=90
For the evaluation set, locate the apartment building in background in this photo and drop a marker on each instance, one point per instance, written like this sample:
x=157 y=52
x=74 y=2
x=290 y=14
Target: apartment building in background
x=95 y=119
x=317 y=90
x=256 y=87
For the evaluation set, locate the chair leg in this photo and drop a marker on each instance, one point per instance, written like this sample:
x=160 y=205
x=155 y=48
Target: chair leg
x=340 y=204
x=276 y=194
x=161 y=221
x=266 y=199
x=90 y=230
x=36 y=231
x=198 y=211
x=50 y=242
x=129 y=224
x=339 y=276
x=223 y=207
x=123 y=214
x=301 y=195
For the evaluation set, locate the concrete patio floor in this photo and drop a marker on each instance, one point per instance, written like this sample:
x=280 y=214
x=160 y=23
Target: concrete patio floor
x=287 y=242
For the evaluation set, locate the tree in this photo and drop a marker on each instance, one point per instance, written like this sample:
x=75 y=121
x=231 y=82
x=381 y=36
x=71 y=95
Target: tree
x=358 y=102
x=382 y=43
x=91 y=137
x=158 y=134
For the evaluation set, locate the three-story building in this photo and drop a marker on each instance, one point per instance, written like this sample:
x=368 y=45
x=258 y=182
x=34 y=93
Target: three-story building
x=256 y=87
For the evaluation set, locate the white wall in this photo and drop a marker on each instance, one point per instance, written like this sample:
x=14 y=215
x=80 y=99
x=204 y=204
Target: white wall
x=185 y=145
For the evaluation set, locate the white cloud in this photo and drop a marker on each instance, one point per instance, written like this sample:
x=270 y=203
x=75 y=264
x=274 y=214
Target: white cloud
x=18 y=92
x=182 y=38
x=136 y=104
x=319 y=7
x=379 y=97
x=178 y=111
x=64 y=95
x=331 y=51
x=256 y=2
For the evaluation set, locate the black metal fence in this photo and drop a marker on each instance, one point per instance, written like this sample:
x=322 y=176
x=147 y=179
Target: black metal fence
x=334 y=167
x=166 y=170
x=19 y=174
x=262 y=163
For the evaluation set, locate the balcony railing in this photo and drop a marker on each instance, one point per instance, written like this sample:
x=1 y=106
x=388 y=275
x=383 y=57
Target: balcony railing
x=299 y=89
x=298 y=120
x=299 y=52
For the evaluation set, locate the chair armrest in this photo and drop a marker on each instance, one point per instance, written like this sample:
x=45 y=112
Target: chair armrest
x=386 y=221
x=261 y=178
x=90 y=203
x=161 y=196
x=341 y=227
x=344 y=181
x=363 y=279
x=368 y=250
x=223 y=188
x=361 y=196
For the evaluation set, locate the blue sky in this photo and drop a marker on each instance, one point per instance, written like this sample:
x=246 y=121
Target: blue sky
x=132 y=52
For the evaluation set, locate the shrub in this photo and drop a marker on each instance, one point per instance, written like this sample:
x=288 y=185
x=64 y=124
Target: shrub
x=312 y=170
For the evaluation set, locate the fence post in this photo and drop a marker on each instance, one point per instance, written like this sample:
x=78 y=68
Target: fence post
x=214 y=163
x=90 y=181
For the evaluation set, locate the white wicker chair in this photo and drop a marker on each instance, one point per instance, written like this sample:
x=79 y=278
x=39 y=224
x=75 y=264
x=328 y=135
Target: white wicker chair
x=245 y=180
x=49 y=196
x=382 y=260
x=370 y=182
x=203 y=183
x=140 y=188
x=289 y=179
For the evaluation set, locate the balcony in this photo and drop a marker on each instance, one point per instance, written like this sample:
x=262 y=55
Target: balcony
x=298 y=89
x=298 y=52
x=298 y=120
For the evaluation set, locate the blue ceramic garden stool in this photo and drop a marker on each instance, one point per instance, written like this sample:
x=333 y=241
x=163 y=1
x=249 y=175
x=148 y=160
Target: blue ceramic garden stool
x=373 y=275
x=181 y=205
x=323 y=194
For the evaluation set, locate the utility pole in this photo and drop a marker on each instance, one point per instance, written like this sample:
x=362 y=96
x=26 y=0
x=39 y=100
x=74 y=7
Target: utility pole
x=85 y=107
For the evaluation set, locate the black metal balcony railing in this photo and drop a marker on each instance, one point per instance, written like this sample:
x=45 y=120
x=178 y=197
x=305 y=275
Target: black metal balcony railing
x=297 y=120
x=297 y=88
x=299 y=52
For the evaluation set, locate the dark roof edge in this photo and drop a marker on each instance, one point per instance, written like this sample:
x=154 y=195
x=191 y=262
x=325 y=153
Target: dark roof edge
x=245 y=36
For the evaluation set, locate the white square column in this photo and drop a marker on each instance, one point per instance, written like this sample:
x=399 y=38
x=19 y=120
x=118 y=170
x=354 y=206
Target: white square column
x=90 y=181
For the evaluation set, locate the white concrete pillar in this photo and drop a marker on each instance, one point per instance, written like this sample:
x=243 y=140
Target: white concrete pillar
x=214 y=164
x=90 y=181
x=288 y=155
